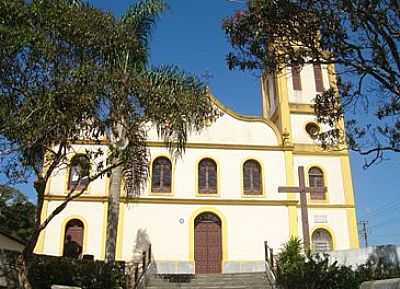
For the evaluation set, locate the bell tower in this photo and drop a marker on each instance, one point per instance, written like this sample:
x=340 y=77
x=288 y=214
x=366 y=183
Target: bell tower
x=275 y=103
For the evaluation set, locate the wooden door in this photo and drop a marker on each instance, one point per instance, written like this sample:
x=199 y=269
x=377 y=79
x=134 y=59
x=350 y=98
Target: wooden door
x=75 y=230
x=208 y=248
x=73 y=241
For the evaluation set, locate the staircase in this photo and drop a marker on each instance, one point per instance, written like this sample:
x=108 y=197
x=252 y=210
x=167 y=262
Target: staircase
x=210 y=281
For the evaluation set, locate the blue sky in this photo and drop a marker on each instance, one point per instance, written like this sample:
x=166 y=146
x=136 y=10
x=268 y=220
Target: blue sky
x=190 y=35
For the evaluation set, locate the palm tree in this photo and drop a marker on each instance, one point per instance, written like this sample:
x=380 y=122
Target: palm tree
x=172 y=123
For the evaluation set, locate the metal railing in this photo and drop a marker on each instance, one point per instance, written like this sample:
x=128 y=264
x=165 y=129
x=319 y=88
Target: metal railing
x=139 y=269
x=269 y=264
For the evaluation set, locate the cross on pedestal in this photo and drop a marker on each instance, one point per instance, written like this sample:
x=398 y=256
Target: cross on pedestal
x=303 y=190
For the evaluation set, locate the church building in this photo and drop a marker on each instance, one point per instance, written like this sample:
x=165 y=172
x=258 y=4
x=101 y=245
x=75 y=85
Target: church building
x=211 y=210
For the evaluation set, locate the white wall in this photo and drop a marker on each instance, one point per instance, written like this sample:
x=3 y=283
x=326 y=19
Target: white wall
x=168 y=227
x=230 y=167
x=308 y=92
x=336 y=224
x=91 y=214
x=298 y=124
x=58 y=184
x=331 y=167
x=390 y=254
x=230 y=130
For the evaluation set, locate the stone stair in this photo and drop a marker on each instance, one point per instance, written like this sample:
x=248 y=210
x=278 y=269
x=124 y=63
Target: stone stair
x=210 y=281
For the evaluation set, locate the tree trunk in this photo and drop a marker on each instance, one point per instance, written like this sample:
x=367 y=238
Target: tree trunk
x=22 y=262
x=113 y=213
x=22 y=267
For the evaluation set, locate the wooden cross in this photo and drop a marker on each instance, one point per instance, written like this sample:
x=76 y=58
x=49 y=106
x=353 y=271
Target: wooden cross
x=303 y=190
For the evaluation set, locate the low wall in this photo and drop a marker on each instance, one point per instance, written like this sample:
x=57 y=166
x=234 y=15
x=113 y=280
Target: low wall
x=387 y=254
x=382 y=284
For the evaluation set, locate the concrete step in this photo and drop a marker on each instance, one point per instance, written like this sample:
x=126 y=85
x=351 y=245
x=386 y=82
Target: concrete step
x=208 y=287
x=256 y=280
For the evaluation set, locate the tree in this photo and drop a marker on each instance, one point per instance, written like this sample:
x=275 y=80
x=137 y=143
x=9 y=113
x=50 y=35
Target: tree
x=142 y=16
x=361 y=37
x=16 y=213
x=71 y=73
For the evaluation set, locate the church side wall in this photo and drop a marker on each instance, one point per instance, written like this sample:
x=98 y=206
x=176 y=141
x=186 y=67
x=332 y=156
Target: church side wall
x=91 y=214
x=334 y=220
x=331 y=167
x=58 y=184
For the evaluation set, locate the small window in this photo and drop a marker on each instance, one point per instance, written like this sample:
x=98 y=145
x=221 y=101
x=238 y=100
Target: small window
x=319 y=83
x=252 y=183
x=161 y=175
x=313 y=130
x=296 y=78
x=316 y=179
x=207 y=177
x=321 y=241
x=79 y=172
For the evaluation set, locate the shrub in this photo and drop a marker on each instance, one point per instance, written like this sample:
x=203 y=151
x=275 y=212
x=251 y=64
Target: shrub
x=45 y=271
x=295 y=270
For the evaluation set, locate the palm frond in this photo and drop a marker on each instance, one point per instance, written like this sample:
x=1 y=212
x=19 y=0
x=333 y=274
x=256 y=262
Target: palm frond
x=142 y=17
x=175 y=102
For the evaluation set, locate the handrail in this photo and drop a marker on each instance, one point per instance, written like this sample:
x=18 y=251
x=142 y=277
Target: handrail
x=139 y=269
x=269 y=264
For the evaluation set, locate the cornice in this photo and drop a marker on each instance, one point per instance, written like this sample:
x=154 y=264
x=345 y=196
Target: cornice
x=201 y=201
x=301 y=108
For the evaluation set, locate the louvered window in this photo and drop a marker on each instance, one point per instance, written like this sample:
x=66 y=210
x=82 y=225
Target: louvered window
x=252 y=183
x=207 y=177
x=79 y=172
x=322 y=241
x=296 y=79
x=161 y=175
x=319 y=83
x=316 y=179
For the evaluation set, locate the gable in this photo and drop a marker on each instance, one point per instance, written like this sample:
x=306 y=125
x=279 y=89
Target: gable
x=233 y=128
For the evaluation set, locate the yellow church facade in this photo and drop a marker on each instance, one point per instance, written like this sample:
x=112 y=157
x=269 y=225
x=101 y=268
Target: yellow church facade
x=212 y=209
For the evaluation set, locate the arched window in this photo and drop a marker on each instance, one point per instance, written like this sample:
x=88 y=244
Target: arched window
x=296 y=78
x=161 y=175
x=73 y=239
x=319 y=83
x=321 y=241
x=252 y=183
x=79 y=172
x=316 y=180
x=207 y=177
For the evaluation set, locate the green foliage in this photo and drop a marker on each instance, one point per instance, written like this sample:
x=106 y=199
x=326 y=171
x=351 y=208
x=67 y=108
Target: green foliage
x=361 y=36
x=45 y=271
x=17 y=214
x=294 y=270
x=70 y=72
x=290 y=253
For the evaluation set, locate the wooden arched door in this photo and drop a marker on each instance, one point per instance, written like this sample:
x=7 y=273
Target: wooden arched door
x=207 y=244
x=73 y=240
